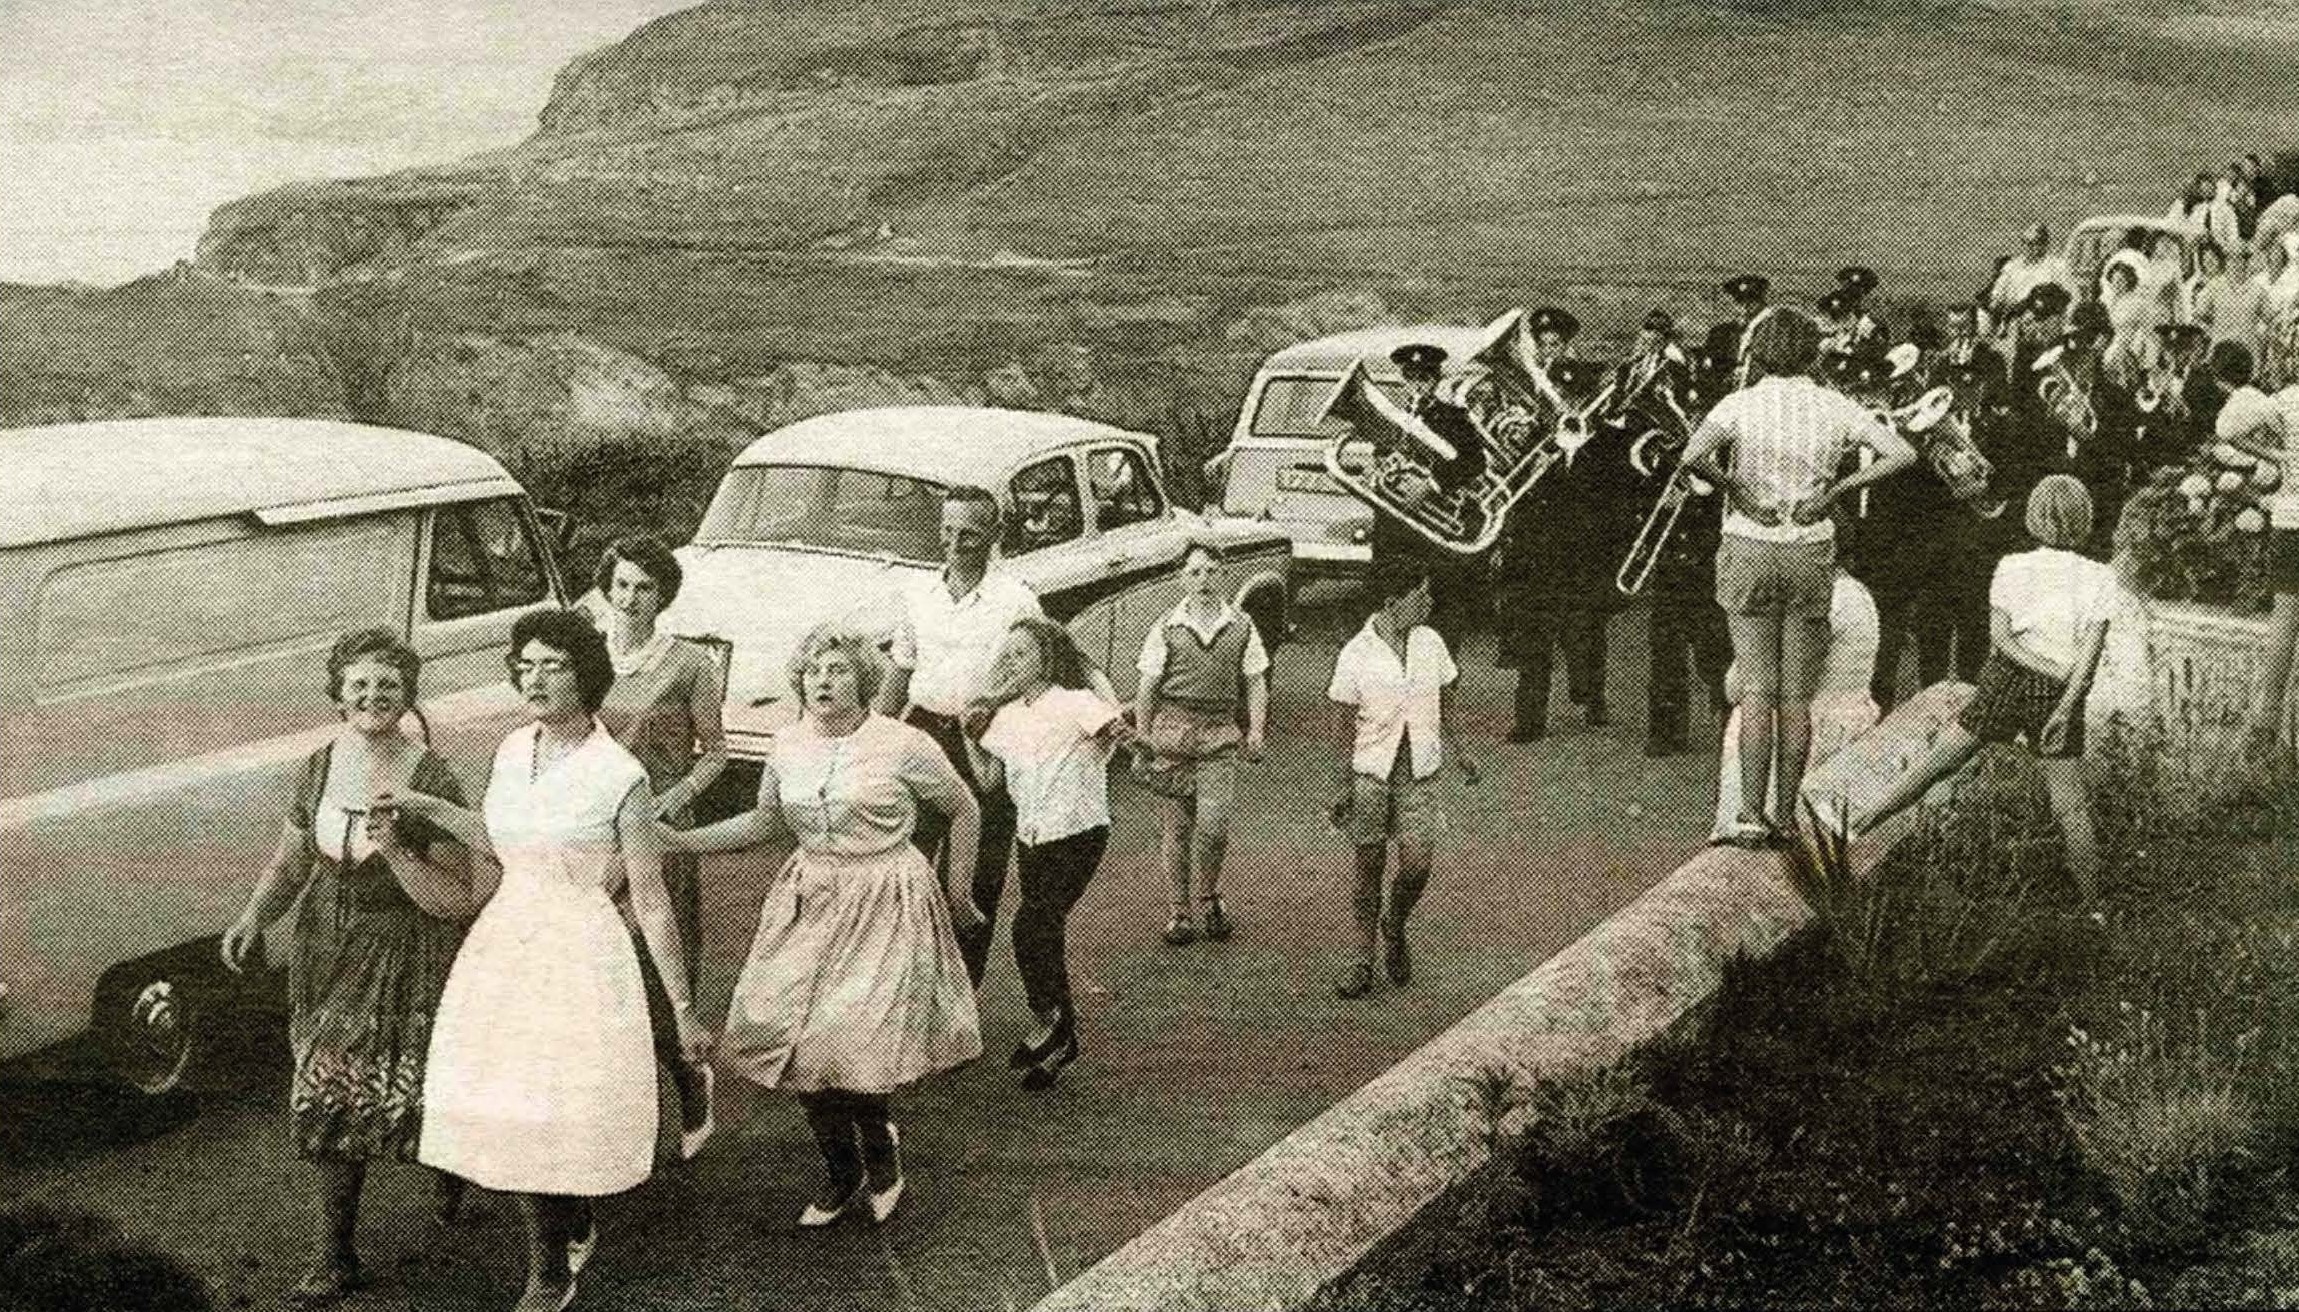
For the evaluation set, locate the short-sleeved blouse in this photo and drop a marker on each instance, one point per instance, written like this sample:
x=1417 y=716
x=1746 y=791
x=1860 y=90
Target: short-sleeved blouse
x=650 y=710
x=858 y=794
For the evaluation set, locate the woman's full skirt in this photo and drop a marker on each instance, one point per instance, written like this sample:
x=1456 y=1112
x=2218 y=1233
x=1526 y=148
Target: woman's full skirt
x=854 y=981
x=542 y=1073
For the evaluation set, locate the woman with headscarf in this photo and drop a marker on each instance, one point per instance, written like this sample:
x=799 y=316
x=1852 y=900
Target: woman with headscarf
x=2279 y=314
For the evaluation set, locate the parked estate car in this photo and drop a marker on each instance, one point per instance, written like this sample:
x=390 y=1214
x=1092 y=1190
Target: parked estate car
x=2090 y=242
x=831 y=517
x=1274 y=467
x=169 y=591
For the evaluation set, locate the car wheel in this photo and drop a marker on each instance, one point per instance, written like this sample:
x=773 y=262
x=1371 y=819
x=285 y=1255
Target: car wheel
x=1267 y=603
x=162 y=1022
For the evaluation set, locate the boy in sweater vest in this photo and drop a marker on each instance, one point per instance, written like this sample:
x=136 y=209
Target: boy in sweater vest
x=1203 y=701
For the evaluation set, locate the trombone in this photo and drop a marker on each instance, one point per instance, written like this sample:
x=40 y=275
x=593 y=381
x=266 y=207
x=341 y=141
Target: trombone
x=1659 y=526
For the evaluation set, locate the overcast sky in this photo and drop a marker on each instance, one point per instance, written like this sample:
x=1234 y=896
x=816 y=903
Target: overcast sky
x=124 y=122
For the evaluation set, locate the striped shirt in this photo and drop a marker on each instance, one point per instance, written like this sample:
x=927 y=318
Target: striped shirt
x=1788 y=436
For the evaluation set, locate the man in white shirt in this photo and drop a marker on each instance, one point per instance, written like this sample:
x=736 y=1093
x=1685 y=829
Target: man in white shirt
x=953 y=623
x=2035 y=266
x=1393 y=730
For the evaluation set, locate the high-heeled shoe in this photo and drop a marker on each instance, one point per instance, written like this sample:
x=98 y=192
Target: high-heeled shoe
x=817 y=1216
x=1049 y=1067
x=881 y=1160
x=579 y=1251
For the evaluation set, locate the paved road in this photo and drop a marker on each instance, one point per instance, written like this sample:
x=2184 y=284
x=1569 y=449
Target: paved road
x=1195 y=1059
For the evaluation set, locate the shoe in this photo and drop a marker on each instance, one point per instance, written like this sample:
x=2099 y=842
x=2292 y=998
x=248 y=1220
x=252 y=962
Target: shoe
x=880 y=1160
x=1396 y=958
x=579 y=1251
x=1180 y=932
x=1528 y=733
x=692 y=1138
x=328 y=1282
x=542 y=1296
x=1357 y=983
x=817 y=1216
x=1049 y=1067
x=1598 y=716
x=1217 y=926
x=1027 y=1055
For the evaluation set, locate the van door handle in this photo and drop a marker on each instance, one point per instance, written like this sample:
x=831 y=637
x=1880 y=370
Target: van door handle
x=1117 y=563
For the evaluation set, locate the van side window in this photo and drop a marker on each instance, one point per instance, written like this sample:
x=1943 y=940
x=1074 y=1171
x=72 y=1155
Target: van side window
x=1124 y=492
x=1046 y=508
x=482 y=560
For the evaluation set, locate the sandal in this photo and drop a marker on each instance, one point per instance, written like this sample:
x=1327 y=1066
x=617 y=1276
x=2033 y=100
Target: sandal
x=1179 y=932
x=1217 y=926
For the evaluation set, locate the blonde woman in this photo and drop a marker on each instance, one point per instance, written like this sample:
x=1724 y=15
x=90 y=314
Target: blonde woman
x=855 y=987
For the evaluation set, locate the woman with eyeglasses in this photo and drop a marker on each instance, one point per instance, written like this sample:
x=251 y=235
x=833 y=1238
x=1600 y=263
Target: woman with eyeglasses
x=542 y=1076
x=384 y=898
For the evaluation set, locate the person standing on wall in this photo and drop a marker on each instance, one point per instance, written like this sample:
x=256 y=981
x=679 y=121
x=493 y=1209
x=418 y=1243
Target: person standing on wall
x=1786 y=438
x=953 y=623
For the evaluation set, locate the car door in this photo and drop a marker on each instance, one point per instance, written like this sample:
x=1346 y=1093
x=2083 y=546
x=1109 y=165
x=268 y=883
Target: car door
x=1142 y=541
x=1051 y=545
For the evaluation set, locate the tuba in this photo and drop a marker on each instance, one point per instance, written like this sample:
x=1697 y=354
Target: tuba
x=1936 y=425
x=1507 y=358
x=1398 y=480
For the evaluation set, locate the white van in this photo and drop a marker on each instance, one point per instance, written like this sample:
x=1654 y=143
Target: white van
x=1274 y=468
x=169 y=590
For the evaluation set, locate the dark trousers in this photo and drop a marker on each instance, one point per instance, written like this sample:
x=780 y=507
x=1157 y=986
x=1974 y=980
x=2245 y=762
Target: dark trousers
x=1948 y=622
x=1542 y=630
x=1684 y=628
x=933 y=830
x=1054 y=876
x=852 y=1131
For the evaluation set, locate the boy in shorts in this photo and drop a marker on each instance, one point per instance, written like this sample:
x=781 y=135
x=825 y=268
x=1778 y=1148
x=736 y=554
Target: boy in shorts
x=1393 y=730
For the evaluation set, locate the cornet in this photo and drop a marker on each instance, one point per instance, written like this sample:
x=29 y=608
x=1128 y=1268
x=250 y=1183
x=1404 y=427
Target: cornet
x=2068 y=400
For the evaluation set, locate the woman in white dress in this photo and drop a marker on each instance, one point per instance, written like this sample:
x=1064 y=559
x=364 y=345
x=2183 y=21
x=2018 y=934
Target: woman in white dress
x=855 y=987
x=1842 y=709
x=542 y=1070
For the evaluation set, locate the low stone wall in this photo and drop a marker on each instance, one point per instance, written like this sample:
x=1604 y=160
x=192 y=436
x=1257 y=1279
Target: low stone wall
x=2203 y=663
x=1305 y=1212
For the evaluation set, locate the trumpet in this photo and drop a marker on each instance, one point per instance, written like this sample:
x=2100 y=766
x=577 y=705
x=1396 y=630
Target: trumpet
x=2163 y=391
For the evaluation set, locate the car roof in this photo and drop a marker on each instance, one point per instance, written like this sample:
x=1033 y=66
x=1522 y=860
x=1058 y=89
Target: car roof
x=1334 y=354
x=75 y=480
x=945 y=444
x=2184 y=227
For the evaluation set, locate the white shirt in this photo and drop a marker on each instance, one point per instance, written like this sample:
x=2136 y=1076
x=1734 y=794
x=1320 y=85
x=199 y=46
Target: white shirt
x=2051 y=596
x=1397 y=701
x=2246 y=413
x=1152 y=660
x=1788 y=436
x=1056 y=769
x=2023 y=275
x=949 y=643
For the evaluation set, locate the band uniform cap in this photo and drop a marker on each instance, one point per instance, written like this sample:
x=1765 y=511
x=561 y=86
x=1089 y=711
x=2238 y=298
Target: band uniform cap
x=2090 y=319
x=1748 y=287
x=1659 y=321
x=2046 y=300
x=1571 y=373
x=1858 y=279
x=1550 y=319
x=1418 y=358
x=1834 y=303
x=2177 y=335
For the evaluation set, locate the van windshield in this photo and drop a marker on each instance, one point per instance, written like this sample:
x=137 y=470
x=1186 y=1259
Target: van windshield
x=833 y=509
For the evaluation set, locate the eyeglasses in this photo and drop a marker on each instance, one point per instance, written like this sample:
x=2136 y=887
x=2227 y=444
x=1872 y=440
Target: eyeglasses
x=548 y=665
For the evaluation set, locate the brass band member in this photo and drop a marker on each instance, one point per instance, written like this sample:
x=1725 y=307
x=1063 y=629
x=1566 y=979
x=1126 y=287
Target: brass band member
x=1554 y=585
x=1721 y=353
x=2092 y=414
x=1457 y=583
x=1862 y=332
x=2169 y=395
x=1685 y=625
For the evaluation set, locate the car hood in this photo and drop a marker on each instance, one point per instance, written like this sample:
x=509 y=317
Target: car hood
x=763 y=599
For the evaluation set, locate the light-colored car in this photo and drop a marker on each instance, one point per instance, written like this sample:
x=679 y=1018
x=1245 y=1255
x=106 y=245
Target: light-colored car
x=831 y=517
x=1274 y=467
x=169 y=591
x=2092 y=241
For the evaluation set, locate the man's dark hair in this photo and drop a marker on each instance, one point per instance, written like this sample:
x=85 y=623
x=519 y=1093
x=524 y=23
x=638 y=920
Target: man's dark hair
x=1394 y=580
x=67 y=1261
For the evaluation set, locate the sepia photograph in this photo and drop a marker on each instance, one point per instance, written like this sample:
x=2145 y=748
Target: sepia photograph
x=1148 y=655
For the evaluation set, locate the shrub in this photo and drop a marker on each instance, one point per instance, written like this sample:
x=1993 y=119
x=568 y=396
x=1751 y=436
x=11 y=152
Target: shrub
x=2200 y=532
x=1597 y=1147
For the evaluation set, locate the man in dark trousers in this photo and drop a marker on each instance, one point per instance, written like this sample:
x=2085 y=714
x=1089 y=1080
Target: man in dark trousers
x=1720 y=352
x=1458 y=583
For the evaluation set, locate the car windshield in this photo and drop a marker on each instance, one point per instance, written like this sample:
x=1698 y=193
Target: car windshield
x=833 y=509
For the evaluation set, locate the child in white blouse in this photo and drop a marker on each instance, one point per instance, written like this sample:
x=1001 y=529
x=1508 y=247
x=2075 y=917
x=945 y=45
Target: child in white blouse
x=2048 y=617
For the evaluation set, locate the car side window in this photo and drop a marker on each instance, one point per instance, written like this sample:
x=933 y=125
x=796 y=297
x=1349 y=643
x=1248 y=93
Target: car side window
x=1123 y=491
x=1046 y=508
x=483 y=559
